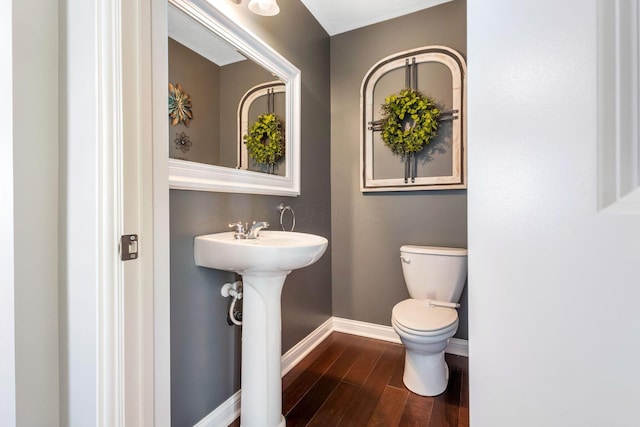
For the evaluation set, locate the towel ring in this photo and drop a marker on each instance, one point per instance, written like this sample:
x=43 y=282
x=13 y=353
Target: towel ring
x=282 y=208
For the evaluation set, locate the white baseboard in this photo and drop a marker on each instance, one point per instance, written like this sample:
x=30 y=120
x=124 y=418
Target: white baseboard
x=364 y=329
x=456 y=346
x=224 y=414
x=298 y=352
x=229 y=410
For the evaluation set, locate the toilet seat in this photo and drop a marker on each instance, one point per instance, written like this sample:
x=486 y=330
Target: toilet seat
x=418 y=317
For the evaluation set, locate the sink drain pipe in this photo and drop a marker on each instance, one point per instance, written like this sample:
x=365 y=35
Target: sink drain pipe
x=233 y=290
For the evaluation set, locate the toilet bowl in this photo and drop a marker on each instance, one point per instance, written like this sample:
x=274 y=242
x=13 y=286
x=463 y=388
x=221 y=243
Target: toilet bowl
x=425 y=370
x=424 y=327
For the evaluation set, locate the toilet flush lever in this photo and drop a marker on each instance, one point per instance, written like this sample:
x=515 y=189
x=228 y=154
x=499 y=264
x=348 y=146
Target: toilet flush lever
x=434 y=303
x=405 y=260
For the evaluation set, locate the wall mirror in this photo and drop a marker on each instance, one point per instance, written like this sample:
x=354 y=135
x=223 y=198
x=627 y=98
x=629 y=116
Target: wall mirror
x=223 y=80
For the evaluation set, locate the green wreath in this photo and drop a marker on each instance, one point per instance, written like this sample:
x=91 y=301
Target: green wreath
x=265 y=142
x=409 y=121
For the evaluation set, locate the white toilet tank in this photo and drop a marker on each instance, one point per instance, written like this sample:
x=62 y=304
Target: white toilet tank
x=432 y=272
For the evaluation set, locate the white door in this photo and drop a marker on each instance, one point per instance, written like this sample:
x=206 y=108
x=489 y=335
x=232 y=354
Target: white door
x=554 y=276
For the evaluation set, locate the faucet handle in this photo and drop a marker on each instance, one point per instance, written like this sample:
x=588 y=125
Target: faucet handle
x=238 y=226
x=239 y=229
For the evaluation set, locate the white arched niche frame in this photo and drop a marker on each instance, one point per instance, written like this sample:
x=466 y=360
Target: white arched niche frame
x=244 y=107
x=455 y=63
x=186 y=175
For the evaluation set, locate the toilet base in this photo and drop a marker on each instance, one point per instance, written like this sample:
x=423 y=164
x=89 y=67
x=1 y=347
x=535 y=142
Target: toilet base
x=425 y=374
x=425 y=371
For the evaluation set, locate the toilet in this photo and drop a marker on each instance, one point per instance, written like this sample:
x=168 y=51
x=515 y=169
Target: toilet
x=435 y=277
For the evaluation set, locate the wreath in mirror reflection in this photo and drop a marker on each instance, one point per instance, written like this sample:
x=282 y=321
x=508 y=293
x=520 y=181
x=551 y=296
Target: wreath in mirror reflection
x=264 y=140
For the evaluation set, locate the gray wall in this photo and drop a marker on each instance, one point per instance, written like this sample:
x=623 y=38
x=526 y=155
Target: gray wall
x=368 y=229
x=205 y=358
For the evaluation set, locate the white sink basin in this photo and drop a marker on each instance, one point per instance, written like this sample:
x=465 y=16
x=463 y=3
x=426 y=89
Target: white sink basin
x=264 y=263
x=272 y=251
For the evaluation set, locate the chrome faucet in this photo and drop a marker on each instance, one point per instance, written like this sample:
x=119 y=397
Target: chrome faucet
x=241 y=229
x=254 y=231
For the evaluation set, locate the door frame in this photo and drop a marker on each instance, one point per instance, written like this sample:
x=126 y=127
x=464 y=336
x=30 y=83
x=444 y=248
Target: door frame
x=133 y=364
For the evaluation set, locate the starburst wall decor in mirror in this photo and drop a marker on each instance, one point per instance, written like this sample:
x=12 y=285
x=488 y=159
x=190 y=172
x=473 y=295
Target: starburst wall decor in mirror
x=179 y=105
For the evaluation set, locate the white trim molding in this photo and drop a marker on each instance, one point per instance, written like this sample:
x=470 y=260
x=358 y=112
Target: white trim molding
x=7 y=225
x=229 y=410
x=299 y=351
x=618 y=106
x=364 y=329
x=456 y=346
x=224 y=414
x=110 y=316
x=161 y=239
x=125 y=363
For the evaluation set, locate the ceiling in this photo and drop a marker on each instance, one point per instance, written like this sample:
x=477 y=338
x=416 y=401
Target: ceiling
x=335 y=16
x=196 y=37
x=339 y=16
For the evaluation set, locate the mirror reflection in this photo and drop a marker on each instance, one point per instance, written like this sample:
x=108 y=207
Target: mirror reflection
x=216 y=97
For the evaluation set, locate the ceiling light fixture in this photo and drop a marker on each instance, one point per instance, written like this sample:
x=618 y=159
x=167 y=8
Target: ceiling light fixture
x=264 y=7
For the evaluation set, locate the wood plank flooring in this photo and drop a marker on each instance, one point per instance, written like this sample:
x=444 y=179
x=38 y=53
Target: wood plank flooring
x=353 y=381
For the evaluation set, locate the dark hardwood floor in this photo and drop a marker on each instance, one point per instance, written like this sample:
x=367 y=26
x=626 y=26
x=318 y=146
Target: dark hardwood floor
x=354 y=381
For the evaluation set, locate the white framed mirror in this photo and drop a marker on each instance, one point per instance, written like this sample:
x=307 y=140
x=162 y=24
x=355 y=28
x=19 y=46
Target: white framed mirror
x=203 y=175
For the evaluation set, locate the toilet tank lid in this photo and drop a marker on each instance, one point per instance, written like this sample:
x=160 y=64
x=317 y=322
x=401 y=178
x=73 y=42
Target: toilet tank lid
x=433 y=250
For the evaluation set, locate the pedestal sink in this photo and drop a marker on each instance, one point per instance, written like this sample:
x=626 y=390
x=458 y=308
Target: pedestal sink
x=264 y=263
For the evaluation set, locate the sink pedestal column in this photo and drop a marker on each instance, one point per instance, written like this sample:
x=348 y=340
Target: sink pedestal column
x=261 y=382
